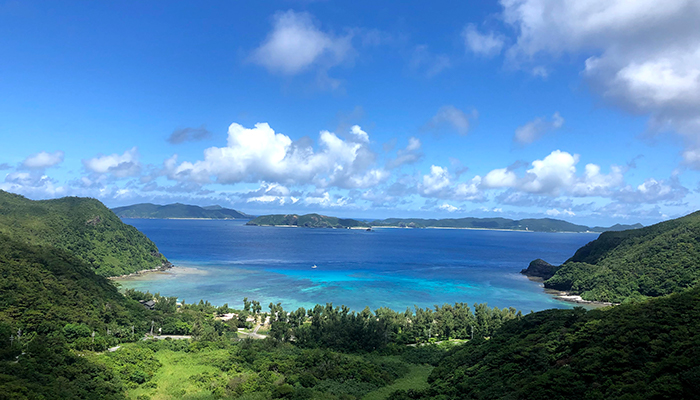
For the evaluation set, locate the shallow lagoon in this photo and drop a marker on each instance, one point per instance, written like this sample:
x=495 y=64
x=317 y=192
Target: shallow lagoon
x=225 y=261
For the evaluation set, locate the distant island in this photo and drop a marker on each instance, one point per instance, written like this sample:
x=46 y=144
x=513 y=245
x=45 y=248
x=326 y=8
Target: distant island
x=307 y=221
x=178 y=211
x=533 y=225
x=631 y=265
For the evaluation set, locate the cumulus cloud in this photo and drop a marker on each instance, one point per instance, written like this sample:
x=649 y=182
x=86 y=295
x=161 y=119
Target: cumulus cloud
x=271 y=193
x=439 y=185
x=260 y=154
x=486 y=45
x=653 y=191
x=32 y=183
x=296 y=43
x=359 y=134
x=450 y=118
x=189 y=134
x=448 y=207
x=498 y=178
x=554 y=175
x=116 y=165
x=536 y=128
x=43 y=160
x=557 y=175
x=642 y=55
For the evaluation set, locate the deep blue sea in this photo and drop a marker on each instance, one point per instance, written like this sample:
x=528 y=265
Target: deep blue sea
x=225 y=261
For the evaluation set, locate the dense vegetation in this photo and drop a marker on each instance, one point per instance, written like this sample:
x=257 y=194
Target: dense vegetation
x=177 y=210
x=306 y=221
x=649 y=350
x=535 y=225
x=58 y=318
x=654 y=261
x=83 y=227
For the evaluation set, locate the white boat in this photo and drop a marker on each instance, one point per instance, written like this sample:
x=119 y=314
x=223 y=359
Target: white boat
x=314 y=266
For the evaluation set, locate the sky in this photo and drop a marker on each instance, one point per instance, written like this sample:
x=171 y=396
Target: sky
x=585 y=110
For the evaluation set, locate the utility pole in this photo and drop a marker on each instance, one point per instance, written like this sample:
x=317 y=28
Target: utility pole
x=93 y=336
x=151 y=328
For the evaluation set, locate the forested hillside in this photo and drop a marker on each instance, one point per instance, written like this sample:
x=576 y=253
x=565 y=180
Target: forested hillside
x=306 y=221
x=84 y=227
x=177 y=210
x=618 y=266
x=649 y=350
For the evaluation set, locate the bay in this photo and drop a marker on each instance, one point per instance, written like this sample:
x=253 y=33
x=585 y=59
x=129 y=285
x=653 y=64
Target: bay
x=223 y=261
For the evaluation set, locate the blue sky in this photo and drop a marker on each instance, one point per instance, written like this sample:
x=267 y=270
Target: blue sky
x=587 y=111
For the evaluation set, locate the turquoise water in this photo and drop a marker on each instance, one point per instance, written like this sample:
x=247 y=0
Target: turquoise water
x=225 y=261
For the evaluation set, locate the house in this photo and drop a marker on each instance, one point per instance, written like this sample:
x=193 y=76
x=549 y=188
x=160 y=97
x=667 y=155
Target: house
x=150 y=304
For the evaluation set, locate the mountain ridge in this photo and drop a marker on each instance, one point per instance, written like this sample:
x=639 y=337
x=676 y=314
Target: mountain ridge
x=177 y=210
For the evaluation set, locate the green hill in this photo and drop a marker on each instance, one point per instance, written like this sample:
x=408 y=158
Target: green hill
x=177 y=210
x=531 y=224
x=652 y=261
x=83 y=227
x=42 y=286
x=649 y=350
x=306 y=221
x=616 y=228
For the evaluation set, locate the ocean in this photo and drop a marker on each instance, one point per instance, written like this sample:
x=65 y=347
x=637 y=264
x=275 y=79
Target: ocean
x=223 y=261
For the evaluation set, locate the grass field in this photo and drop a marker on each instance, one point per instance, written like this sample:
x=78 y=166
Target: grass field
x=172 y=381
x=180 y=377
x=417 y=378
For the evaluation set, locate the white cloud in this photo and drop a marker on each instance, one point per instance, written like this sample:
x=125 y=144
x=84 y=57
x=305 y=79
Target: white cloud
x=296 y=43
x=325 y=200
x=359 y=134
x=43 y=160
x=260 y=154
x=555 y=175
x=452 y=118
x=643 y=55
x=594 y=183
x=117 y=165
x=551 y=174
x=486 y=45
x=448 y=207
x=652 y=191
x=498 y=178
x=555 y=213
x=32 y=183
x=534 y=129
x=438 y=185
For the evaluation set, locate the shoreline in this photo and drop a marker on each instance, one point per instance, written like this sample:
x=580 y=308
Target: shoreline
x=568 y=297
x=372 y=227
x=164 y=267
x=576 y=299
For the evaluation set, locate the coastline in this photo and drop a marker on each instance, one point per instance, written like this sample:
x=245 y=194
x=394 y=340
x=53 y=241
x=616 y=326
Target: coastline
x=568 y=297
x=164 y=267
x=576 y=299
x=473 y=229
